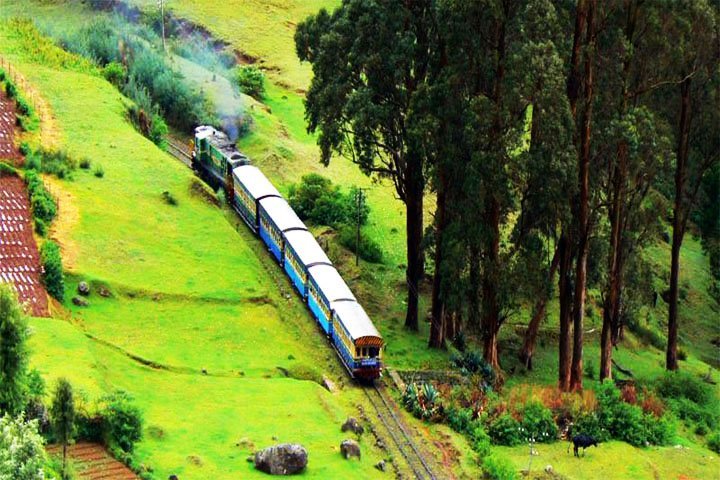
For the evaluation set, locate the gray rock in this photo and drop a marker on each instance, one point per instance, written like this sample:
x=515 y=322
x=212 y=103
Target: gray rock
x=173 y=477
x=350 y=448
x=283 y=459
x=548 y=469
x=352 y=425
x=83 y=289
x=381 y=465
x=104 y=292
x=80 y=302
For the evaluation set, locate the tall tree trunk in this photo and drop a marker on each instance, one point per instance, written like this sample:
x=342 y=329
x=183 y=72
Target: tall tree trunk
x=565 y=297
x=531 y=334
x=583 y=223
x=671 y=360
x=414 y=231
x=437 y=328
x=574 y=80
x=491 y=307
x=474 y=290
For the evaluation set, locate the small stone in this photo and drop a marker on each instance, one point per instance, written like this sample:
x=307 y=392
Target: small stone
x=204 y=371
x=548 y=469
x=328 y=384
x=83 y=289
x=381 y=465
x=350 y=448
x=104 y=292
x=173 y=477
x=250 y=459
x=80 y=302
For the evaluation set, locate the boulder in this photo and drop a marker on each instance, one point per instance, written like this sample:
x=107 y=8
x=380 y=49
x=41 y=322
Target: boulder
x=282 y=459
x=381 y=465
x=352 y=425
x=350 y=448
x=549 y=469
x=173 y=477
x=104 y=292
x=80 y=302
x=83 y=289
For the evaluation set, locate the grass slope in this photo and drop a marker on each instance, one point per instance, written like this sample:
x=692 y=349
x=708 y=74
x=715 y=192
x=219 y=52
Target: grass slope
x=189 y=293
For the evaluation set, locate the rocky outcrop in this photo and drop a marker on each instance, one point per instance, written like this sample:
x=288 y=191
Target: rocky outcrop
x=283 y=459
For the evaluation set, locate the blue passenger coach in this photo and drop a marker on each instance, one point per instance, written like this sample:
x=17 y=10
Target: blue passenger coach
x=276 y=218
x=357 y=340
x=250 y=186
x=302 y=252
x=326 y=286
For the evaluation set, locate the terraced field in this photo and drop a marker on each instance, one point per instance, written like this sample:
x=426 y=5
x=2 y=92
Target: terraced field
x=93 y=462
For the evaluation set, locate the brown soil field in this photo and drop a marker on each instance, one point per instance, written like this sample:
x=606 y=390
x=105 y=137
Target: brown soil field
x=93 y=462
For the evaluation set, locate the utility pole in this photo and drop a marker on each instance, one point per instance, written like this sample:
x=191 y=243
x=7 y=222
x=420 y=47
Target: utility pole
x=161 y=5
x=359 y=197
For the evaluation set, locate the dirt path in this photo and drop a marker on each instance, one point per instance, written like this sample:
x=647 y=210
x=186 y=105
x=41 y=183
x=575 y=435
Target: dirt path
x=19 y=259
x=93 y=462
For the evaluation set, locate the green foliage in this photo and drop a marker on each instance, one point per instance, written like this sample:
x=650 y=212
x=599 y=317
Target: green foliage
x=99 y=171
x=251 y=81
x=496 y=467
x=369 y=250
x=42 y=203
x=22 y=454
x=459 y=419
x=7 y=170
x=115 y=73
x=85 y=164
x=685 y=385
x=13 y=353
x=505 y=430
x=53 y=276
x=471 y=362
x=423 y=402
x=713 y=442
x=169 y=198
x=53 y=162
x=122 y=420
x=316 y=199
x=538 y=423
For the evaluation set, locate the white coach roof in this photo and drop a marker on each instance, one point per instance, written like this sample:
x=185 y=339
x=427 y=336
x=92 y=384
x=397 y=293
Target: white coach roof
x=330 y=283
x=306 y=247
x=281 y=213
x=255 y=182
x=355 y=320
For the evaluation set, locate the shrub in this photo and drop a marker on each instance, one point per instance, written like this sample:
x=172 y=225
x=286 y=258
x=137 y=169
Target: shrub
x=316 y=199
x=480 y=439
x=115 y=73
x=169 y=198
x=496 y=467
x=590 y=370
x=251 y=81
x=369 y=250
x=122 y=421
x=24 y=148
x=713 y=442
x=505 y=430
x=22 y=454
x=684 y=385
x=538 y=423
x=7 y=170
x=43 y=205
x=589 y=424
x=11 y=90
x=85 y=164
x=459 y=419
x=660 y=431
x=99 y=171
x=53 y=277
x=471 y=362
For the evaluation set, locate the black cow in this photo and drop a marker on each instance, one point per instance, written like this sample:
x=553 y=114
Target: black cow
x=582 y=441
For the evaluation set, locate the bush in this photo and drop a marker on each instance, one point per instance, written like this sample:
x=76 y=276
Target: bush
x=459 y=419
x=471 y=362
x=316 y=199
x=251 y=81
x=505 y=430
x=538 y=423
x=480 y=439
x=122 y=421
x=99 y=171
x=496 y=467
x=53 y=277
x=713 y=442
x=369 y=250
x=43 y=205
x=85 y=164
x=685 y=385
x=7 y=170
x=115 y=73
x=169 y=198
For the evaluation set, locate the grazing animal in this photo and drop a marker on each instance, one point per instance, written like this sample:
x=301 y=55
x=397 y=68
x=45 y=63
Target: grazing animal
x=582 y=441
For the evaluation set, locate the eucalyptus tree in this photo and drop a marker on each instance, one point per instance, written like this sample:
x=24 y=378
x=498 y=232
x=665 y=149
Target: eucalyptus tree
x=370 y=61
x=689 y=99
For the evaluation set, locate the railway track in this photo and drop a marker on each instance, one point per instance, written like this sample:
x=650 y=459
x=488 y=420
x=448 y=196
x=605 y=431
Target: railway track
x=179 y=151
x=376 y=396
x=399 y=435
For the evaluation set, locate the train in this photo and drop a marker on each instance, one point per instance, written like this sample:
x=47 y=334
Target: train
x=270 y=217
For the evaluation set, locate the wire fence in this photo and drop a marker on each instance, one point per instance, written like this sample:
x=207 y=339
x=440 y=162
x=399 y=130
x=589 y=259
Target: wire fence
x=27 y=90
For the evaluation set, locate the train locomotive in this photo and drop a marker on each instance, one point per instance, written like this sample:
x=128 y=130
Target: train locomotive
x=343 y=320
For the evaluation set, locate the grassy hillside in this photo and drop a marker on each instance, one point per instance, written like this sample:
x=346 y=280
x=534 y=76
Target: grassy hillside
x=189 y=294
